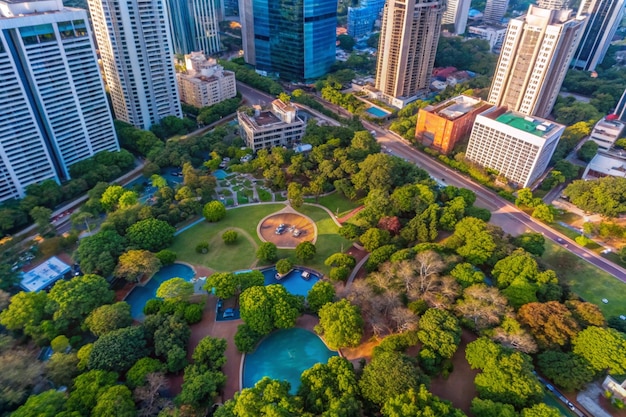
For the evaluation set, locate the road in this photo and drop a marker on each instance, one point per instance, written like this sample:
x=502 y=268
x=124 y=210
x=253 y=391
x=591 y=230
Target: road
x=254 y=96
x=504 y=213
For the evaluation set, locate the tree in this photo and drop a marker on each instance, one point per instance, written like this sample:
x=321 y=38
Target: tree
x=72 y=301
x=472 y=240
x=419 y=403
x=267 y=252
x=340 y=324
x=551 y=323
x=210 y=353
x=88 y=387
x=466 y=274
x=586 y=314
x=223 y=284
x=389 y=374
x=319 y=295
x=116 y=401
x=136 y=375
x=606 y=196
x=175 y=289
x=604 y=349
x=488 y=408
x=267 y=398
x=587 y=151
x=346 y=42
x=19 y=372
x=99 y=253
x=246 y=338
x=283 y=266
x=229 y=237
x=540 y=410
x=8 y=277
x=305 y=251
x=374 y=238
x=544 y=212
x=111 y=197
x=566 y=370
x=150 y=234
x=62 y=368
x=109 y=317
x=133 y=264
x=149 y=397
x=200 y=386
x=330 y=389
x=214 y=211
x=118 y=350
x=484 y=306
x=533 y=243
x=440 y=332
x=295 y=194
x=47 y=404
x=525 y=198
x=340 y=259
x=41 y=217
x=166 y=256
x=25 y=312
x=267 y=308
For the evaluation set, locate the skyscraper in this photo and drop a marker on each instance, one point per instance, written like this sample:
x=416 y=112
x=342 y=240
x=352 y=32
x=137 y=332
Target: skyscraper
x=295 y=40
x=456 y=14
x=552 y=4
x=536 y=52
x=406 y=52
x=194 y=26
x=136 y=50
x=603 y=19
x=361 y=19
x=53 y=108
x=495 y=11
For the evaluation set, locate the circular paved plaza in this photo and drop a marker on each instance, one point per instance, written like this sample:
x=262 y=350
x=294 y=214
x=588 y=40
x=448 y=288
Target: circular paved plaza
x=287 y=229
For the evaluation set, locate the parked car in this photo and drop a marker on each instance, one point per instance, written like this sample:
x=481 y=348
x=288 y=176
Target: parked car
x=228 y=313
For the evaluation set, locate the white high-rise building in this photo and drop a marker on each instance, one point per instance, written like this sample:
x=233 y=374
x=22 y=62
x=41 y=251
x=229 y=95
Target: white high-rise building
x=495 y=11
x=136 y=49
x=456 y=14
x=53 y=108
x=205 y=82
x=407 y=48
x=535 y=55
x=519 y=147
x=603 y=19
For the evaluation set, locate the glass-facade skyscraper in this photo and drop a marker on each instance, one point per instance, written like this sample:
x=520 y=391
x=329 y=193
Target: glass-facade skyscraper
x=194 y=26
x=294 y=39
x=361 y=19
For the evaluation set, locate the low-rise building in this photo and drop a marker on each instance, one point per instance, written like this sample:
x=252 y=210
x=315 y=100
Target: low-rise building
x=518 y=147
x=606 y=132
x=606 y=164
x=443 y=125
x=277 y=126
x=204 y=82
x=494 y=34
x=44 y=275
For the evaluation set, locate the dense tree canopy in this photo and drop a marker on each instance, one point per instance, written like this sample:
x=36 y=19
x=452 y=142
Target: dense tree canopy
x=133 y=264
x=214 y=211
x=551 y=323
x=321 y=293
x=472 y=240
x=604 y=349
x=340 y=324
x=150 y=234
x=175 y=289
x=606 y=196
x=267 y=308
x=99 y=253
x=118 y=350
x=566 y=370
x=109 y=317
x=419 y=403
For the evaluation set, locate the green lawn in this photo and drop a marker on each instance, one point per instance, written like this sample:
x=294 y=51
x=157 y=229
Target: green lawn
x=328 y=241
x=586 y=280
x=336 y=202
x=222 y=257
x=264 y=195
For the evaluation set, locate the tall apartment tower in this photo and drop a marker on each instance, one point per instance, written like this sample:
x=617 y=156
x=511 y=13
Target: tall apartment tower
x=194 y=26
x=620 y=109
x=53 y=108
x=603 y=19
x=456 y=14
x=535 y=55
x=136 y=50
x=295 y=40
x=495 y=11
x=552 y=4
x=407 y=47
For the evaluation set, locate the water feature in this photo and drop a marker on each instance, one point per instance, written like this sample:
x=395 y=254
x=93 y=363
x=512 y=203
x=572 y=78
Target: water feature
x=284 y=355
x=293 y=281
x=376 y=112
x=220 y=174
x=138 y=297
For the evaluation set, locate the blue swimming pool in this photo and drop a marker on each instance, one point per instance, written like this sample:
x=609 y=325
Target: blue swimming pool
x=293 y=281
x=284 y=355
x=220 y=174
x=376 y=112
x=140 y=295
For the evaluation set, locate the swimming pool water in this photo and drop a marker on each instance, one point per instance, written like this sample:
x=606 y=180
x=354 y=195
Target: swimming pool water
x=220 y=174
x=284 y=355
x=375 y=111
x=293 y=282
x=140 y=295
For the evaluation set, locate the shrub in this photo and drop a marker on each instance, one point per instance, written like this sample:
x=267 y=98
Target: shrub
x=202 y=247
x=267 y=252
x=166 y=256
x=60 y=344
x=193 y=313
x=339 y=273
x=283 y=266
x=246 y=338
x=214 y=211
x=229 y=237
x=152 y=306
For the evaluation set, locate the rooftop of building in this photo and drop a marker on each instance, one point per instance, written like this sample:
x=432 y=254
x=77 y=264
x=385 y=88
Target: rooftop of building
x=529 y=124
x=284 y=107
x=18 y=8
x=45 y=274
x=607 y=123
x=455 y=107
x=265 y=118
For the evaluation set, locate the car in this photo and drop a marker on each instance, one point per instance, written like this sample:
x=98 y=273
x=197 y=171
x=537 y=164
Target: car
x=228 y=313
x=571 y=406
x=558 y=239
x=549 y=387
x=219 y=303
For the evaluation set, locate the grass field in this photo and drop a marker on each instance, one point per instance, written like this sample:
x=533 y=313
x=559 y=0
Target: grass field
x=586 y=280
x=222 y=257
x=336 y=202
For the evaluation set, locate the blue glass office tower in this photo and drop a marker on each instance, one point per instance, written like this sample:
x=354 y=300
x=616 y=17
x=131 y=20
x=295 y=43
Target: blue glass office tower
x=294 y=39
x=194 y=26
x=361 y=19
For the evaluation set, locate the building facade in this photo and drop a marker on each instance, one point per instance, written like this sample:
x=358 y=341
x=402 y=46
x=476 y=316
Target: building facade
x=444 y=125
x=361 y=20
x=494 y=34
x=534 y=59
x=606 y=132
x=408 y=44
x=456 y=14
x=136 y=50
x=296 y=41
x=495 y=11
x=205 y=83
x=53 y=107
x=278 y=126
x=603 y=19
x=519 y=147
x=620 y=109
x=194 y=26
